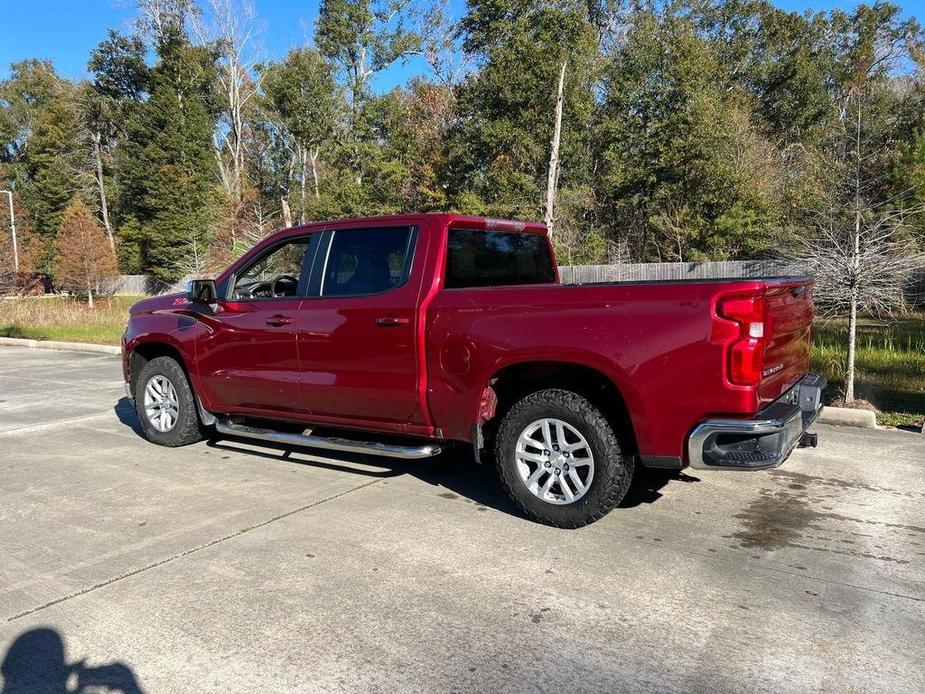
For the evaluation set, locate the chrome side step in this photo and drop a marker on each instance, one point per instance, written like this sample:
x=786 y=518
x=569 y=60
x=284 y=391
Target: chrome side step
x=426 y=450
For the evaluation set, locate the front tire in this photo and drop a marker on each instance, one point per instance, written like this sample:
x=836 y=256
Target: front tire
x=165 y=404
x=560 y=460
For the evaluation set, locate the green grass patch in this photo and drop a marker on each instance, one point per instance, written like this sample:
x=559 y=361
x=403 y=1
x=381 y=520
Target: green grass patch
x=890 y=365
x=66 y=319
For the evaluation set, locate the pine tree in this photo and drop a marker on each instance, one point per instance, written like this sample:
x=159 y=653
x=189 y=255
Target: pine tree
x=167 y=172
x=84 y=261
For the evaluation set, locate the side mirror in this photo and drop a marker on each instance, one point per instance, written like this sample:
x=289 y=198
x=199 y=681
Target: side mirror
x=202 y=292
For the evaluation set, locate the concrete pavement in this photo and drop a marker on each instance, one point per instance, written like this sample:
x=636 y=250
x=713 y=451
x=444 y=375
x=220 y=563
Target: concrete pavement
x=226 y=566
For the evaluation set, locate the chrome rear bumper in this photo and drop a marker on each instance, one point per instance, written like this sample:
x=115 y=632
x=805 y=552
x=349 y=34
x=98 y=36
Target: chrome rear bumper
x=760 y=443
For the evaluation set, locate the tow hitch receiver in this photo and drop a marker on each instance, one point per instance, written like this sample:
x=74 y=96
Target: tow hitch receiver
x=808 y=440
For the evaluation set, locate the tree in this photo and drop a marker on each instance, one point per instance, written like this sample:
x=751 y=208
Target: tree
x=166 y=166
x=362 y=38
x=304 y=94
x=552 y=181
x=84 y=261
x=118 y=85
x=863 y=248
x=499 y=148
x=684 y=172
x=233 y=30
x=42 y=151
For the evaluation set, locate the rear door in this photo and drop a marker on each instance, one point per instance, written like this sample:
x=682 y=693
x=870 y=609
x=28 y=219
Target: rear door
x=789 y=317
x=249 y=361
x=357 y=329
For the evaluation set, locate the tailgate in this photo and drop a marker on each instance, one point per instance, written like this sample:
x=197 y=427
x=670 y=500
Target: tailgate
x=789 y=313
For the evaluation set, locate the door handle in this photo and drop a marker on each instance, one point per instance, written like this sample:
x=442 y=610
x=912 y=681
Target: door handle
x=279 y=320
x=391 y=321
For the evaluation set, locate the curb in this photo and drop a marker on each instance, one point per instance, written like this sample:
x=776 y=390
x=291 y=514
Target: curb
x=845 y=416
x=60 y=346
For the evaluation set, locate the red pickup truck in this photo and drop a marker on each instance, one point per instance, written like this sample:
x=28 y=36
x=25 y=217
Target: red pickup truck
x=399 y=335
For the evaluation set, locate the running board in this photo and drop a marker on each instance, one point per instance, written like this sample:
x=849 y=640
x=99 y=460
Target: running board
x=388 y=450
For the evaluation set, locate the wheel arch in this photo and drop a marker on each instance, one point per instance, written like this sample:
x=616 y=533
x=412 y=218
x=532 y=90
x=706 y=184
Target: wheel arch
x=143 y=352
x=515 y=380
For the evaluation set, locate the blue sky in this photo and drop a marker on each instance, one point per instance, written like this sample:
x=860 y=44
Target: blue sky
x=65 y=31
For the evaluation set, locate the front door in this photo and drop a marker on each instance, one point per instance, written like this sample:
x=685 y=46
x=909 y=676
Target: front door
x=249 y=362
x=357 y=329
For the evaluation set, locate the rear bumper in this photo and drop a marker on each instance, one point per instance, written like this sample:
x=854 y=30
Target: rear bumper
x=760 y=443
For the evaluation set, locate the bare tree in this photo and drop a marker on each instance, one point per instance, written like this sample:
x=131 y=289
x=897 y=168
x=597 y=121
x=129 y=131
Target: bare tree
x=862 y=250
x=552 y=181
x=159 y=19
x=233 y=26
x=861 y=265
x=439 y=41
x=195 y=261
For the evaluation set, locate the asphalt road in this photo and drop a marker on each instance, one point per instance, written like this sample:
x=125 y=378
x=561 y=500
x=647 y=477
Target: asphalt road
x=229 y=567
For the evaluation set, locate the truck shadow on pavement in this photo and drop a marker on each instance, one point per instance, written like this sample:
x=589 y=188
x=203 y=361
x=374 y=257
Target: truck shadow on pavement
x=454 y=470
x=36 y=662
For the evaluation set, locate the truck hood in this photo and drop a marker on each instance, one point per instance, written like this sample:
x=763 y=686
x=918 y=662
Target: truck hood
x=159 y=303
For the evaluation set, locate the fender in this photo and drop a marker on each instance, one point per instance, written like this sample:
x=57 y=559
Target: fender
x=174 y=327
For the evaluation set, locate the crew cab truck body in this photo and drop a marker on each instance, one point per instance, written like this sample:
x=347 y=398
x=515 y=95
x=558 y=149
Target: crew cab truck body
x=410 y=332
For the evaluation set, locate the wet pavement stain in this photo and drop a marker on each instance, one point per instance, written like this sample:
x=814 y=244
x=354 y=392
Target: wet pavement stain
x=775 y=521
x=798 y=478
x=791 y=515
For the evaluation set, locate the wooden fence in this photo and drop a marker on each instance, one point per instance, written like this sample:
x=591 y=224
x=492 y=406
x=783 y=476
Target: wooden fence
x=142 y=285
x=638 y=272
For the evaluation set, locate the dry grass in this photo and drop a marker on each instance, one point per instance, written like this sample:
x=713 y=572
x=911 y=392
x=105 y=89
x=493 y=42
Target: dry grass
x=65 y=318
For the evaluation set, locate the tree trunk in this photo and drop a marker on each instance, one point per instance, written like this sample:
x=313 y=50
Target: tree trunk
x=553 y=177
x=89 y=294
x=855 y=263
x=287 y=213
x=101 y=184
x=852 y=347
x=314 y=160
x=303 y=156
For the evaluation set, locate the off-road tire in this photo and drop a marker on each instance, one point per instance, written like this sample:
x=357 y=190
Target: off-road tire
x=613 y=470
x=187 y=429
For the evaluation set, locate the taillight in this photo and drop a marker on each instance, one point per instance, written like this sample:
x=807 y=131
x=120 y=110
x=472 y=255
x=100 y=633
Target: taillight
x=746 y=353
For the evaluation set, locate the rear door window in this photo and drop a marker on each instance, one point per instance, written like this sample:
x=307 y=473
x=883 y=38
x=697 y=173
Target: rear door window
x=497 y=258
x=367 y=261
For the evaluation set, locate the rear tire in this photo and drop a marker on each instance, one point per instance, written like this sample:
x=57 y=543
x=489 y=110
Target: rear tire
x=560 y=460
x=165 y=404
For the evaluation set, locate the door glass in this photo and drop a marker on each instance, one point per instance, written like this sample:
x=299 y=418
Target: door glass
x=367 y=261
x=274 y=275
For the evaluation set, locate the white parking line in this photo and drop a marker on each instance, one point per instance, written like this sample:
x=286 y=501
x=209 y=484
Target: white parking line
x=55 y=425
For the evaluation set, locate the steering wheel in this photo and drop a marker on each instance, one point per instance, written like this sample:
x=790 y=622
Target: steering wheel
x=278 y=292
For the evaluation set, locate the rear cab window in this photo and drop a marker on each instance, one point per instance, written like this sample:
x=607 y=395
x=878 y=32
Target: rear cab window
x=477 y=258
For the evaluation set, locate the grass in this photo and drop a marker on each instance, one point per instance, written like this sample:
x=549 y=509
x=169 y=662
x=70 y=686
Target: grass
x=890 y=359
x=65 y=318
x=890 y=365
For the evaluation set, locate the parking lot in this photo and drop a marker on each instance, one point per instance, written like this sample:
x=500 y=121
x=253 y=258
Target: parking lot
x=227 y=566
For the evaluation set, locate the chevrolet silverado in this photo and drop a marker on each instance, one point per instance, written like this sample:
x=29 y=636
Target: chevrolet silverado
x=397 y=336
